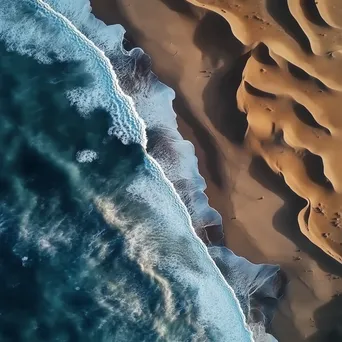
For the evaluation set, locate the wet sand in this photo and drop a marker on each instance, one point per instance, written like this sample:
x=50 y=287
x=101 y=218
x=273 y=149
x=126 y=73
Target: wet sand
x=195 y=52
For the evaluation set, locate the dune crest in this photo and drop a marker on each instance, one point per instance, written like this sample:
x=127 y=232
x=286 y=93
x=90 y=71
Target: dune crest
x=291 y=91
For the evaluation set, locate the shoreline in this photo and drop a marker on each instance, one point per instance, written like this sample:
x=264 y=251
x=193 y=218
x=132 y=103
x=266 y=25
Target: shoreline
x=236 y=183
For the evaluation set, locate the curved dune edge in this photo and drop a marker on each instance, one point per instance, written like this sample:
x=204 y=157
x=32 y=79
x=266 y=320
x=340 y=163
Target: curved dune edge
x=292 y=95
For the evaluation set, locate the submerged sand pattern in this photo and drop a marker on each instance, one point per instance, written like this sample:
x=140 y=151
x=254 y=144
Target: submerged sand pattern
x=291 y=91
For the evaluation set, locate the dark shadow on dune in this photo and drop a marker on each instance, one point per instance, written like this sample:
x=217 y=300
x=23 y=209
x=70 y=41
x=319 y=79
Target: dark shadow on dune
x=304 y=115
x=280 y=12
x=108 y=11
x=328 y=321
x=262 y=54
x=209 y=146
x=214 y=38
x=297 y=72
x=302 y=75
x=314 y=167
x=179 y=6
x=285 y=220
x=258 y=93
x=286 y=328
x=311 y=13
x=220 y=94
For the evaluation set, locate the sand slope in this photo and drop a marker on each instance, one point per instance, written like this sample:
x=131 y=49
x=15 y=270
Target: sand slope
x=291 y=92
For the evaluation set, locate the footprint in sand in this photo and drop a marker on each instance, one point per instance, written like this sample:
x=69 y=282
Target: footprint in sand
x=336 y=220
x=320 y=209
x=206 y=73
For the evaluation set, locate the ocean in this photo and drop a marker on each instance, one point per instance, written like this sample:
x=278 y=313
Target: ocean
x=101 y=201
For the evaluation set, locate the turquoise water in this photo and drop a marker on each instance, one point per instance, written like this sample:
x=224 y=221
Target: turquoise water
x=96 y=236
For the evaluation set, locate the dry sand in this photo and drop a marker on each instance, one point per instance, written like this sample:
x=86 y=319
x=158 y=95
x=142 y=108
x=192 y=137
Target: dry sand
x=196 y=53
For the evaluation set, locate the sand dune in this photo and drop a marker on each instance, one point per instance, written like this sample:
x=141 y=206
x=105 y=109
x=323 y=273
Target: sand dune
x=291 y=92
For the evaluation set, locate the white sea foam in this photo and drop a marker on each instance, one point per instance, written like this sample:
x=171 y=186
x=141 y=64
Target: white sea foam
x=260 y=334
x=86 y=156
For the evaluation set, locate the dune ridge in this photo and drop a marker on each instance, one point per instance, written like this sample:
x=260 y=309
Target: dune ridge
x=291 y=92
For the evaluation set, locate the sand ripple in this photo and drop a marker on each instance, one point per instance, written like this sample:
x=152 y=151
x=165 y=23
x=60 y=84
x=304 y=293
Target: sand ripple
x=291 y=91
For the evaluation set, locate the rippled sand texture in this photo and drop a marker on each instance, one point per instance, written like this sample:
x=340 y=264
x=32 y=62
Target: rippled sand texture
x=291 y=92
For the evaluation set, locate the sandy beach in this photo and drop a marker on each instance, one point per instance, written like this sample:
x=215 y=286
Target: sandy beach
x=206 y=61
